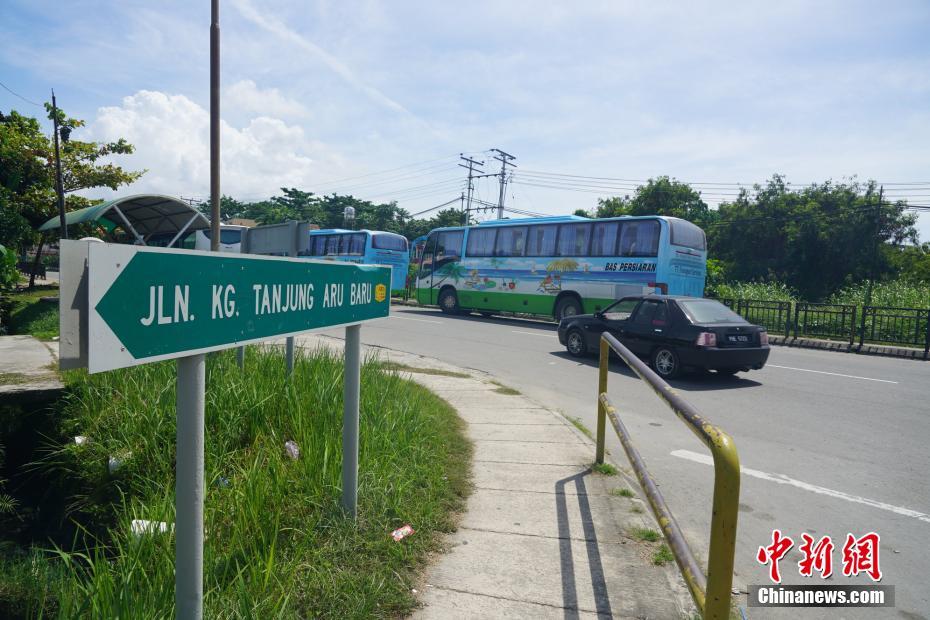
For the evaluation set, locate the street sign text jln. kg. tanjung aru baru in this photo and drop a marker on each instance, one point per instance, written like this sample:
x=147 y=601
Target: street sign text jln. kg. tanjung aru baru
x=149 y=304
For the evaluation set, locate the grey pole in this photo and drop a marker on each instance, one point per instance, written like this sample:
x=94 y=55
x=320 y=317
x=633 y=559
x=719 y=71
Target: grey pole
x=353 y=360
x=289 y=348
x=188 y=550
x=240 y=357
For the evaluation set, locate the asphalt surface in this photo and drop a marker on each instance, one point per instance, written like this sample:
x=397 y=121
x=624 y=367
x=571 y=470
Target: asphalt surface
x=836 y=443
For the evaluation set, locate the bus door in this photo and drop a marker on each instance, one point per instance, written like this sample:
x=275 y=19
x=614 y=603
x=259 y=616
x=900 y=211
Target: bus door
x=440 y=264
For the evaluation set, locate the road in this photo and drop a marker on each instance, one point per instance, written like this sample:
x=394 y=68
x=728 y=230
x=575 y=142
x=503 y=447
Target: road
x=836 y=443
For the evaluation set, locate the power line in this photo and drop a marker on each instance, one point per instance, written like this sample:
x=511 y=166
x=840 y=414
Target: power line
x=14 y=93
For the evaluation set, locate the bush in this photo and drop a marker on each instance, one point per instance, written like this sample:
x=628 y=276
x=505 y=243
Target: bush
x=895 y=293
x=9 y=274
x=768 y=291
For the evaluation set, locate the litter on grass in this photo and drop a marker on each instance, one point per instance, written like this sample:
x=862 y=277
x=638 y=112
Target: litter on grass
x=81 y=440
x=402 y=532
x=292 y=450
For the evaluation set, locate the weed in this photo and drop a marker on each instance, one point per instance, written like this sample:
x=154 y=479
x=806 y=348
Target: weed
x=577 y=423
x=662 y=556
x=646 y=534
x=397 y=366
x=604 y=468
x=622 y=492
x=637 y=509
x=503 y=389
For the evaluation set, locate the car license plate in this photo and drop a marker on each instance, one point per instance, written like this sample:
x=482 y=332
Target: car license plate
x=739 y=338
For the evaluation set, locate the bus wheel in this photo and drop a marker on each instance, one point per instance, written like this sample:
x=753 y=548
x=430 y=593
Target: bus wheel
x=449 y=301
x=567 y=307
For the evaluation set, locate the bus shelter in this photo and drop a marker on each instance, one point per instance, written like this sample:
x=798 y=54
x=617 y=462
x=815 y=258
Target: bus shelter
x=143 y=219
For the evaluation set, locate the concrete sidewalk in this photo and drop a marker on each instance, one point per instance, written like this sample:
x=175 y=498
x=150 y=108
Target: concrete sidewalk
x=543 y=536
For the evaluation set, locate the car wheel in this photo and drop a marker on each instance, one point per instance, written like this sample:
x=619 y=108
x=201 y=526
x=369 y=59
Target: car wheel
x=449 y=301
x=567 y=307
x=665 y=363
x=575 y=343
x=727 y=372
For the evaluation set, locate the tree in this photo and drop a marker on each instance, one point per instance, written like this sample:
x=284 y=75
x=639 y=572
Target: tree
x=815 y=240
x=27 y=175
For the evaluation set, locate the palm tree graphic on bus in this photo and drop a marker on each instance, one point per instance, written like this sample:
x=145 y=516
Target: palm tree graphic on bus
x=552 y=283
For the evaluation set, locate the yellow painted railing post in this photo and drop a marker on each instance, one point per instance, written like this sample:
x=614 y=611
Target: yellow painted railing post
x=722 y=529
x=602 y=389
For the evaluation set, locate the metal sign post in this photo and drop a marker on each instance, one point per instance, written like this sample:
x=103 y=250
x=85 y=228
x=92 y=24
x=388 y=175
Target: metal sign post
x=124 y=305
x=188 y=533
x=353 y=363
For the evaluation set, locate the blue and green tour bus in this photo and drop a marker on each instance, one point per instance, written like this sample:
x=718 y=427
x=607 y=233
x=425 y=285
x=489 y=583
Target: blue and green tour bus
x=368 y=247
x=559 y=266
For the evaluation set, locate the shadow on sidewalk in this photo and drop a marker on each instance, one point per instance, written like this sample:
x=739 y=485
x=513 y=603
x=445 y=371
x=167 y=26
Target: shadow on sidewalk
x=569 y=587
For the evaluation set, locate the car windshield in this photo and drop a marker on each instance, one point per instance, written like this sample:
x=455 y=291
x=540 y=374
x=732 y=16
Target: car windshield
x=708 y=311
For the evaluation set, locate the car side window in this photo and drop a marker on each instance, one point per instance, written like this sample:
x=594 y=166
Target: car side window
x=661 y=316
x=646 y=313
x=622 y=310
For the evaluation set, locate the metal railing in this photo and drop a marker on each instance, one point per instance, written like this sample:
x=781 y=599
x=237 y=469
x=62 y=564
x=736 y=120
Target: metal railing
x=908 y=326
x=825 y=321
x=711 y=594
x=775 y=316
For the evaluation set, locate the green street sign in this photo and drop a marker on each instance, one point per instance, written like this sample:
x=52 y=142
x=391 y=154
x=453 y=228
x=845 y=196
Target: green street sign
x=148 y=304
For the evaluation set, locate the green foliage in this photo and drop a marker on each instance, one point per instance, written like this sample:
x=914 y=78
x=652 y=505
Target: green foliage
x=765 y=291
x=895 y=294
x=815 y=239
x=9 y=274
x=277 y=543
x=662 y=556
x=27 y=174
x=660 y=196
x=646 y=534
x=910 y=262
x=604 y=468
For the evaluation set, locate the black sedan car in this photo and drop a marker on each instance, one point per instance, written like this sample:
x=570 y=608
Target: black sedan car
x=672 y=333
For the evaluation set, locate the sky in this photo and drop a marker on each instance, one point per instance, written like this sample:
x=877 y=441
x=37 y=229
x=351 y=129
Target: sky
x=379 y=99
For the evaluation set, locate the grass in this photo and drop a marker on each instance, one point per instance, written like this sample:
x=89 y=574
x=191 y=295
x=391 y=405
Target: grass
x=14 y=378
x=604 y=468
x=277 y=543
x=646 y=534
x=622 y=492
x=30 y=315
x=662 y=556
x=397 y=366
x=577 y=423
x=503 y=389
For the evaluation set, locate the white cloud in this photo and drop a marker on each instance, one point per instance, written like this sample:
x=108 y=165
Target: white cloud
x=171 y=135
x=245 y=96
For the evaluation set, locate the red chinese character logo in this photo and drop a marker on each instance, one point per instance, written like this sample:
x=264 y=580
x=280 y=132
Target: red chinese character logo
x=861 y=556
x=773 y=553
x=819 y=556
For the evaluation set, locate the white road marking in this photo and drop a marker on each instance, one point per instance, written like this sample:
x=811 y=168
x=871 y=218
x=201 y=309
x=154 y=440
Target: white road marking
x=835 y=374
x=534 y=334
x=783 y=479
x=407 y=318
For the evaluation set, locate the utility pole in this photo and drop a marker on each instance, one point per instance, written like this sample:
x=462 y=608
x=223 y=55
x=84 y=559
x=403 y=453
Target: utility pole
x=471 y=188
x=215 y=126
x=58 y=186
x=504 y=159
x=875 y=246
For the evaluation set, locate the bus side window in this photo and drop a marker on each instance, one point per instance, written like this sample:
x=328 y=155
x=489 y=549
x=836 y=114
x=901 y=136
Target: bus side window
x=449 y=247
x=640 y=238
